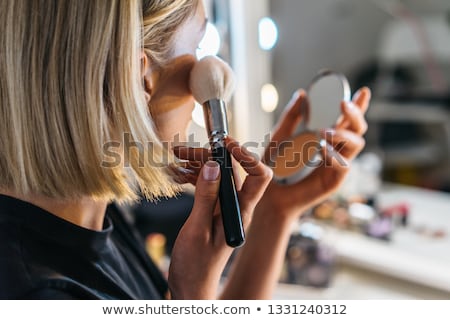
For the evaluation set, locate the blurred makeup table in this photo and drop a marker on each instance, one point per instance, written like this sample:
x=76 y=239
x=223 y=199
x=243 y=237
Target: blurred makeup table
x=412 y=265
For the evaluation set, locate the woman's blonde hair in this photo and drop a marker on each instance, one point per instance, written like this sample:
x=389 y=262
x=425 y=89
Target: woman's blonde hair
x=70 y=91
x=161 y=18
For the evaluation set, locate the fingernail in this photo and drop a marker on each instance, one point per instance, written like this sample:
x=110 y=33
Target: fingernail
x=350 y=106
x=357 y=94
x=330 y=148
x=185 y=170
x=297 y=94
x=211 y=171
x=328 y=132
x=323 y=143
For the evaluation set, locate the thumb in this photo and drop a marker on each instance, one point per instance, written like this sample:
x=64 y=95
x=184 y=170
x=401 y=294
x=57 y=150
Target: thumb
x=296 y=110
x=206 y=193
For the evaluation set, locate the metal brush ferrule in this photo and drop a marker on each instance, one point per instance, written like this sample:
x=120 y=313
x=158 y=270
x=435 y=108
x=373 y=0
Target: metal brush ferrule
x=216 y=121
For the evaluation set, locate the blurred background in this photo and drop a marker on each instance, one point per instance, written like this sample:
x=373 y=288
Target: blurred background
x=385 y=235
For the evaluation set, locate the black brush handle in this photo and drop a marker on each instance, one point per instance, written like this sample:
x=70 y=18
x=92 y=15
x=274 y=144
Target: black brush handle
x=229 y=203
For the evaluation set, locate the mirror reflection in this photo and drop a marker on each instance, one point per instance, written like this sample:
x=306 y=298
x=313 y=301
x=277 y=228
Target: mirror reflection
x=325 y=94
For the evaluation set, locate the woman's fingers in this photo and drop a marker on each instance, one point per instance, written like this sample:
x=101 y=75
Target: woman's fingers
x=353 y=112
x=192 y=154
x=291 y=116
x=237 y=174
x=194 y=159
x=193 y=166
x=353 y=118
x=206 y=195
x=346 y=143
x=362 y=98
x=321 y=183
x=290 y=119
x=255 y=183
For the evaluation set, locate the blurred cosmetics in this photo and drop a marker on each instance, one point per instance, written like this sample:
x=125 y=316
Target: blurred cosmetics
x=308 y=262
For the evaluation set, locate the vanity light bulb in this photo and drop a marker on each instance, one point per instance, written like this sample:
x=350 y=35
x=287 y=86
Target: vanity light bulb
x=211 y=42
x=269 y=97
x=268 y=33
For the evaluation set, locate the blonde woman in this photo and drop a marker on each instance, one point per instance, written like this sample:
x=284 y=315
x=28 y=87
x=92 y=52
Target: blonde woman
x=77 y=80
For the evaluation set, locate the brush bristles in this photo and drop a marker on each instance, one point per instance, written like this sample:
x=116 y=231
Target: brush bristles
x=211 y=78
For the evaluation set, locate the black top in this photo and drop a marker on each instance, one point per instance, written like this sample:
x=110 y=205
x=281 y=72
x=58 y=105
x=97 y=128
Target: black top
x=45 y=257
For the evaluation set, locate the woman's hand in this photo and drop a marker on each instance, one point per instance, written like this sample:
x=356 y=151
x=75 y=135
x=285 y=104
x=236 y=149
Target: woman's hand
x=344 y=142
x=200 y=252
x=257 y=266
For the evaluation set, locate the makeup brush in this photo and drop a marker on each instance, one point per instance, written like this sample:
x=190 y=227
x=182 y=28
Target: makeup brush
x=212 y=84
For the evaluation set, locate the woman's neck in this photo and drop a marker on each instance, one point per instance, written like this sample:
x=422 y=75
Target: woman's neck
x=85 y=212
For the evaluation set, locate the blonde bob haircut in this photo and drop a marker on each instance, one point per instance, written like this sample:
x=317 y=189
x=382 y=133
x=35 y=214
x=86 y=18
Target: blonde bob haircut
x=161 y=18
x=69 y=85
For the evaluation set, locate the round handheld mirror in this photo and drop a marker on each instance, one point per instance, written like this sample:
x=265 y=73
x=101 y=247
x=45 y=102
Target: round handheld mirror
x=297 y=157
